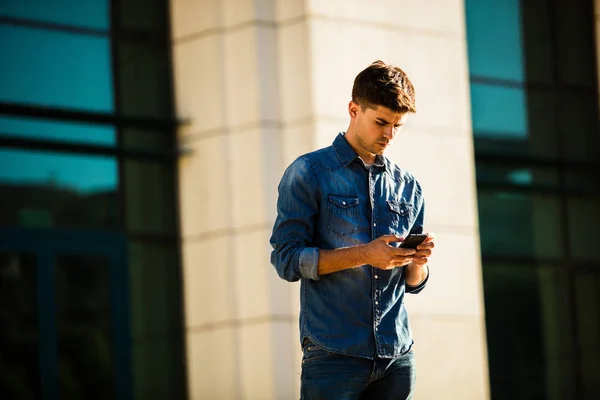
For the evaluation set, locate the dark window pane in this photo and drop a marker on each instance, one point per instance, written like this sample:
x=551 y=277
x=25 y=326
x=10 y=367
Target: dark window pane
x=150 y=203
x=58 y=69
x=156 y=320
x=587 y=292
x=578 y=118
x=83 y=327
x=499 y=111
x=575 y=40
x=517 y=175
x=519 y=224
x=31 y=128
x=538 y=41
x=528 y=331
x=57 y=190
x=147 y=139
x=494 y=36
x=142 y=14
x=86 y=13
x=141 y=93
x=584 y=215
x=19 y=365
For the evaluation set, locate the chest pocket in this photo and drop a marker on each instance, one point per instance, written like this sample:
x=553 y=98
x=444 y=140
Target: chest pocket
x=342 y=214
x=401 y=217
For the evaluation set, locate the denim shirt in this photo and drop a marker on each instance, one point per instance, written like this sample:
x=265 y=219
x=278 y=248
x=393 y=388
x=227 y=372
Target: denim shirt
x=328 y=199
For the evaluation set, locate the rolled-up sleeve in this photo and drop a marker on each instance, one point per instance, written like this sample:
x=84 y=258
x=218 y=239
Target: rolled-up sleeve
x=294 y=256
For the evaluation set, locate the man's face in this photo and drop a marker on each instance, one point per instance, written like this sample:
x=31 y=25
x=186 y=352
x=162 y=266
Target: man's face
x=375 y=128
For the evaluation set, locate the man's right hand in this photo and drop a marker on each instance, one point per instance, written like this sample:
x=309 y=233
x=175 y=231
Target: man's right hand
x=382 y=255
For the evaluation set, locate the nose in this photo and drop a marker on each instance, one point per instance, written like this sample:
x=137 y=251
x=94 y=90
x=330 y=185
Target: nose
x=388 y=132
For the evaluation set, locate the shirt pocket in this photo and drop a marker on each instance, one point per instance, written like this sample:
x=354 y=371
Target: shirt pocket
x=400 y=216
x=342 y=214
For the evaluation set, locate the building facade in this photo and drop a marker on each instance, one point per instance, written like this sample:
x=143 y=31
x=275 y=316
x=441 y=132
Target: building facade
x=141 y=144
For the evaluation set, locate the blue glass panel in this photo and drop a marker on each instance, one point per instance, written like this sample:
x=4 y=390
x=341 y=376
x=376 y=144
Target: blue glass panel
x=494 y=37
x=57 y=190
x=498 y=111
x=55 y=69
x=86 y=13
x=57 y=131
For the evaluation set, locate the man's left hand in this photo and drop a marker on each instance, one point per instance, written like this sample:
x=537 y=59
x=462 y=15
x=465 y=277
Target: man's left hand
x=424 y=251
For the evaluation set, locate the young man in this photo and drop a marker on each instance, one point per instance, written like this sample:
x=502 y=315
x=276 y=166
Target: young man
x=340 y=214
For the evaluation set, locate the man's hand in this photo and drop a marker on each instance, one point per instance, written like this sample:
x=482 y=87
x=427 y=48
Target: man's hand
x=380 y=254
x=424 y=251
x=416 y=272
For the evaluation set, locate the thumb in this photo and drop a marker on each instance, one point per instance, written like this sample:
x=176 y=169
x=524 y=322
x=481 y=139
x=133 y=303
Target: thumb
x=391 y=238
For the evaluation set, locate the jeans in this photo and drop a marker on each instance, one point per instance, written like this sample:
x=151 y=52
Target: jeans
x=333 y=376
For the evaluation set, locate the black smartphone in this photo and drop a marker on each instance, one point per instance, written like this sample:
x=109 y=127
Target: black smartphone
x=413 y=240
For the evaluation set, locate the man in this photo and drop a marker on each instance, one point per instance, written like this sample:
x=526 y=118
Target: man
x=340 y=214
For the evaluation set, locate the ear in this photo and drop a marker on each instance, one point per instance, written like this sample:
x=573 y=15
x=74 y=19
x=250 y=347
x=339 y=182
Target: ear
x=353 y=109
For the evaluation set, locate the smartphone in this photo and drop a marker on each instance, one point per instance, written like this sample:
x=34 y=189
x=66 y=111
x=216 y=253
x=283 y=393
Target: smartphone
x=413 y=240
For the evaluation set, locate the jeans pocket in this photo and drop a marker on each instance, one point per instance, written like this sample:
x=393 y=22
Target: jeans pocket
x=313 y=353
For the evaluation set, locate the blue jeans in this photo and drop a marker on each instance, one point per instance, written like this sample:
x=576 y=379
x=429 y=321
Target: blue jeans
x=333 y=376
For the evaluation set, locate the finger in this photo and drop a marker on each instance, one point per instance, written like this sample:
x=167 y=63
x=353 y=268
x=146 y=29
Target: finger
x=426 y=245
x=430 y=237
x=403 y=252
x=391 y=238
x=423 y=253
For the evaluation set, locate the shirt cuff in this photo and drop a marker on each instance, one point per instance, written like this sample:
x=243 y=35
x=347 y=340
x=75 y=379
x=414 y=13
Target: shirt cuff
x=309 y=263
x=416 y=289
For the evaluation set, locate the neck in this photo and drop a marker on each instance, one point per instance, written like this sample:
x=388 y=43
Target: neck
x=368 y=158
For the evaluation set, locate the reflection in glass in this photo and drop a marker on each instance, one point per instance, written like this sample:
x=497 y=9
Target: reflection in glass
x=520 y=224
x=32 y=128
x=85 y=13
x=156 y=320
x=19 y=370
x=83 y=328
x=499 y=111
x=528 y=332
x=494 y=36
x=57 y=190
x=58 y=69
x=578 y=120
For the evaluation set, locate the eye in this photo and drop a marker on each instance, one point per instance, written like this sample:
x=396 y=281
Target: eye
x=380 y=123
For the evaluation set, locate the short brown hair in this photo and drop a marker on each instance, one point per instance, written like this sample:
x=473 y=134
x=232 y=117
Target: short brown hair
x=385 y=85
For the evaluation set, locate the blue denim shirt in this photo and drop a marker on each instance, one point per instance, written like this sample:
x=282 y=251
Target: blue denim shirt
x=328 y=199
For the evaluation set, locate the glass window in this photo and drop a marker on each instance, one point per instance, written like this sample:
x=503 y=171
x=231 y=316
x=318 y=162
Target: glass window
x=575 y=42
x=517 y=175
x=494 y=36
x=578 y=121
x=528 y=327
x=42 y=189
x=537 y=44
x=58 y=69
x=84 y=327
x=19 y=368
x=587 y=292
x=499 y=111
x=519 y=224
x=85 y=13
x=140 y=93
x=142 y=14
x=583 y=215
x=156 y=320
x=149 y=195
x=32 y=128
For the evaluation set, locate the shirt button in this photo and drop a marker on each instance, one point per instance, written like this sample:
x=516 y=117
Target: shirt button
x=343 y=203
x=376 y=302
x=374 y=224
x=376 y=276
